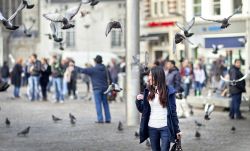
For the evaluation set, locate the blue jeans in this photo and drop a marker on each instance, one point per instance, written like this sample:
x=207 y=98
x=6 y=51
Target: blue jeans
x=186 y=89
x=33 y=82
x=58 y=83
x=157 y=135
x=235 y=105
x=16 y=91
x=101 y=100
x=198 y=87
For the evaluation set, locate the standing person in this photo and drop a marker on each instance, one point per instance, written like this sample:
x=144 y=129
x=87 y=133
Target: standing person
x=35 y=70
x=159 y=119
x=5 y=72
x=199 y=78
x=71 y=78
x=114 y=69
x=57 y=74
x=100 y=78
x=236 y=90
x=186 y=74
x=44 y=79
x=16 y=77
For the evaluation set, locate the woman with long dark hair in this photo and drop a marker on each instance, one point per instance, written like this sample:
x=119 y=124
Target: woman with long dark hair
x=159 y=119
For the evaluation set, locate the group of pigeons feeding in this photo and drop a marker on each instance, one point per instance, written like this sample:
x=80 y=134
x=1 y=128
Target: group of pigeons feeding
x=178 y=38
x=64 y=21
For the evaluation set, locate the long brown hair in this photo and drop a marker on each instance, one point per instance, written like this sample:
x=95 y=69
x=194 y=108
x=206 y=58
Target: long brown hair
x=159 y=83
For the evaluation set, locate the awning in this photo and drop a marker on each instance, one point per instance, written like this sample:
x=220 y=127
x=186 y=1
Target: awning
x=152 y=37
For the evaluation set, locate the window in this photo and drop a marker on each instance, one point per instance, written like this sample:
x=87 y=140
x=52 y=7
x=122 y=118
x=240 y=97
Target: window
x=237 y=4
x=162 y=7
x=216 y=7
x=70 y=37
x=197 y=7
x=116 y=38
x=155 y=8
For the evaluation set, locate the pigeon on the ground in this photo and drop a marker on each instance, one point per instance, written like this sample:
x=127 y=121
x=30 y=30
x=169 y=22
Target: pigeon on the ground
x=243 y=41
x=92 y=2
x=191 y=109
x=54 y=30
x=233 y=82
x=137 y=135
x=178 y=38
x=187 y=27
x=209 y=108
x=113 y=87
x=120 y=126
x=55 y=119
x=8 y=22
x=198 y=124
x=64 y=19
x=197 y=134
x=111 y=25
x=7 y=122
x=25 y=132
x=148 y=144
x=233 y=129
x=72 y=116
x=3 y=86
x=224 y=22
x=72 y=121
x=216 y=48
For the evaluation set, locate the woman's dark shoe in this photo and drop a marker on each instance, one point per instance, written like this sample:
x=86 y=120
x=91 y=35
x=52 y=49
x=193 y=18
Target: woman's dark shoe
x=108 y=122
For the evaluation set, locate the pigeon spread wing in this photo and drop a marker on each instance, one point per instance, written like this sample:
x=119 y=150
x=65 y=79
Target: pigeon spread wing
x=70 y=13
x=179 y=26
x=218 y=21
x=244 y=77
x=86 y=1
x=190 y=24
x=235 y=12
x=220 y=46
x=53 y=28
x=108 y=28
x=1 y=16
x=20 y=7
x=189 y=41
x=55 y=17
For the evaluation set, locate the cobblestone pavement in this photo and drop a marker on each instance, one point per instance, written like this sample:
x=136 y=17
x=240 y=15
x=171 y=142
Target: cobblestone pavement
x=46 y=135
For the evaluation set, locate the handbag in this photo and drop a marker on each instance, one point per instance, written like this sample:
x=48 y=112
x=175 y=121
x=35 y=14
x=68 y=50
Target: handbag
x=177 y=146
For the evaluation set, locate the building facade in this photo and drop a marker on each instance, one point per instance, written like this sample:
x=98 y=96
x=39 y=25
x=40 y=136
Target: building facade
x=209 y=33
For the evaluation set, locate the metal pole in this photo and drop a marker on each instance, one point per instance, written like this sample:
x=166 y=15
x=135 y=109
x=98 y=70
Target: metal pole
x=133 y=75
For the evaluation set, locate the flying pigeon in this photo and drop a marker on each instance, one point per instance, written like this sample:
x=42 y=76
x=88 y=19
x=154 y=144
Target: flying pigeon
x=186 y=28
x=113 y=87
x=197 y=134
x=233 y=82
x=209 y=108
x=120 y=126
x=216 y=48
x=7 y=122
x=3 y=86
x=8 y=22
x=243 y=41
x=24 y=132
x=224 y=22
x=92 y=2
x=111 y=25
x=84 y=13
x=28 y=6
x=27 y=31
x=69 y=15
x=54 y=30
x=178 y=38
x=61 y=46
x=55 y=119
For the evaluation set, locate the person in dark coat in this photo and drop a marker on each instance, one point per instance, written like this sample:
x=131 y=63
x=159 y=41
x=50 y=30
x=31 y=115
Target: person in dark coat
x=44 y=79
x=16 y=77
x=71 y=79
x=236 y=90
x=100 y=78
x=5 y=72
x=159 y=119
